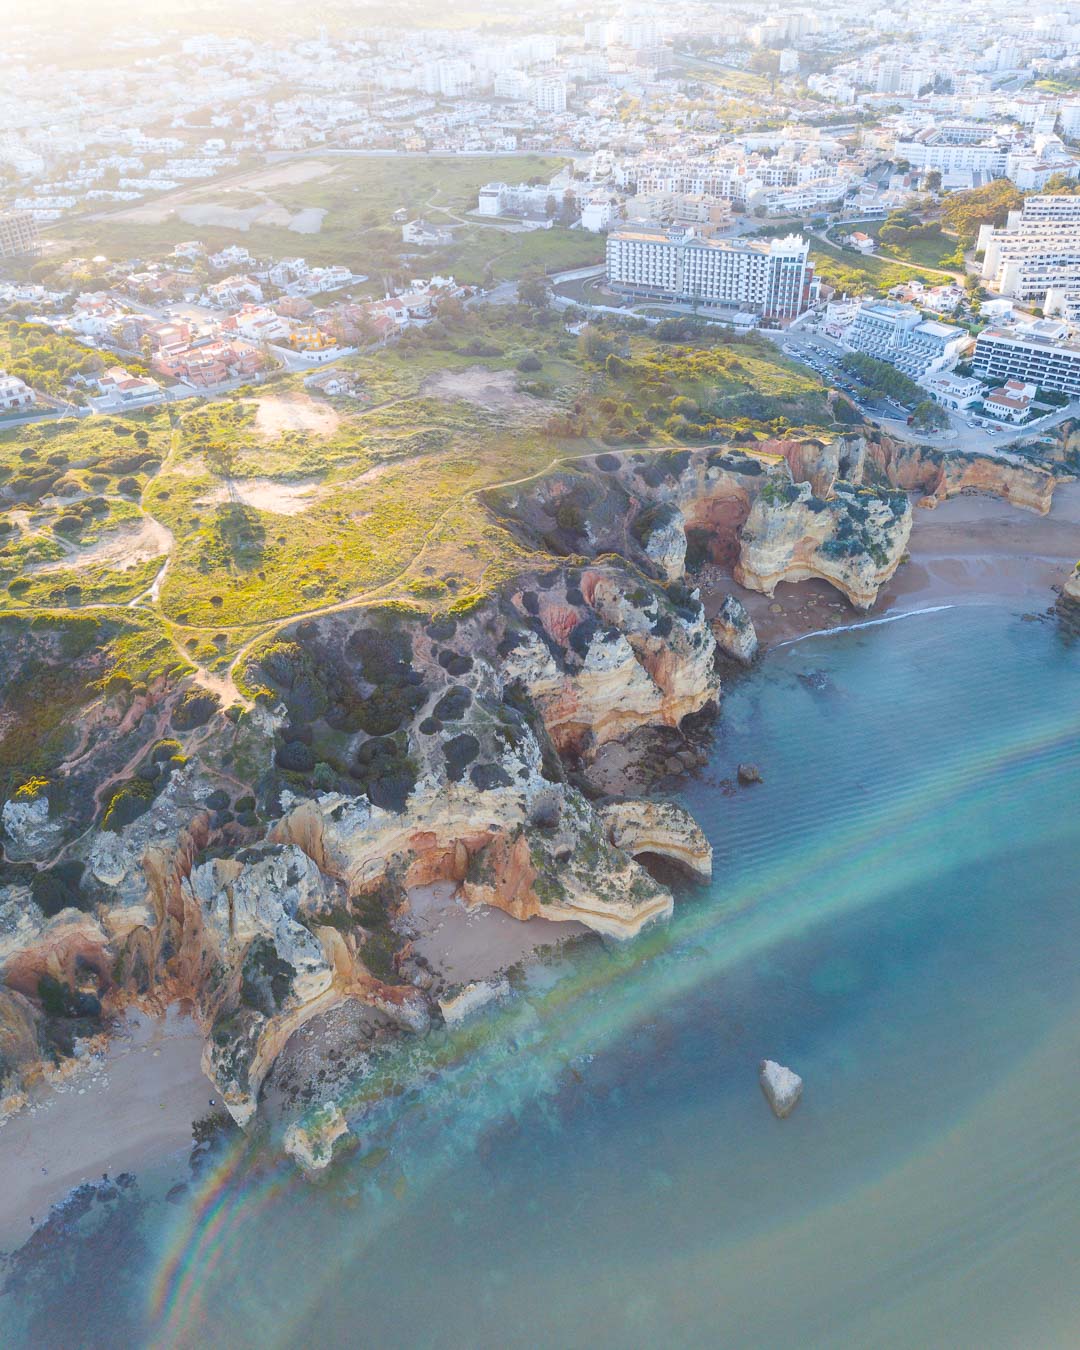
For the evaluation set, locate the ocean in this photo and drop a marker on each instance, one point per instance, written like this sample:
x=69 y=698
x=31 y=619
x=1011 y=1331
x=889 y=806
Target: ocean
x=895 y=913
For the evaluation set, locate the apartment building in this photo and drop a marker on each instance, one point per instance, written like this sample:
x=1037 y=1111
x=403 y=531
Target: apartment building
x=899 y=334
x=1034 y=353
x=1035 y=256
x=772 y=278
x=18 y=234
x=549 y=95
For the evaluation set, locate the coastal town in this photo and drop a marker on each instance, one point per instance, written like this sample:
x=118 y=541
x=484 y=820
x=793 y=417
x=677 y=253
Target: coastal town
x=539 y=626
x=905 y=198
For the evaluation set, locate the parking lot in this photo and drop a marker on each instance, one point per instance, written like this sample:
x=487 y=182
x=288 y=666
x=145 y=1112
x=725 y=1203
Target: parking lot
x=824 y=356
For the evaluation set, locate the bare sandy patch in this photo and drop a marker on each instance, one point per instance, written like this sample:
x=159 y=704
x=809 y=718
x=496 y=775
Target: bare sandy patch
x=493 y=390
x=286 y=175
x=276 y=415
x=464 y=944
x=121 y=549
x=264 y=494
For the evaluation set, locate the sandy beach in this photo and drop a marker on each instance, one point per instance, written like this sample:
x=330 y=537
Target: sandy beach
x=132 y=1105
x=463 y=944
x=970 y=550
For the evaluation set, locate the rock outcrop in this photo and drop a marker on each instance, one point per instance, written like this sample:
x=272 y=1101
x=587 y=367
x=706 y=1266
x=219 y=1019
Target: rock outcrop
x=854 y=539
x=734 y=631
x=661 y=828
x=28 y=831
x=1070 y=590
x=310 y=1140
x=22 y=1047
x=939 y=474
x=782 y=1087
x=626 y=656
x=662 y=534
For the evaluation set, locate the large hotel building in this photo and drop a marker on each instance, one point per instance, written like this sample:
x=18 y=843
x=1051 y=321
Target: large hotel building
x=771 y=278
x=18 y=234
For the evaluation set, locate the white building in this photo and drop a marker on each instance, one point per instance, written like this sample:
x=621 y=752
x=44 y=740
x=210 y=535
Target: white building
x=549 y=95
x=1034 y=353
x=899 y=334
x=1012 y=402
x=1035 y=257
x=957 y=392
x=599 y=213
x=14 y=393
x=771 y=278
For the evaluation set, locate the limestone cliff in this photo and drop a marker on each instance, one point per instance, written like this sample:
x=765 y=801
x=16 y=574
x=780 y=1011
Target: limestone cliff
x=256 y=863
x=734 y=631
x=854 y=539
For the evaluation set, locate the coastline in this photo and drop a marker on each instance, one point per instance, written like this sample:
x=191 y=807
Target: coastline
x=133 y=1105
x=136 y=1103
x=970 y=550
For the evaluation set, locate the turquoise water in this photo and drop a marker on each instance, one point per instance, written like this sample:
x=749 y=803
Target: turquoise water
x=895 y=913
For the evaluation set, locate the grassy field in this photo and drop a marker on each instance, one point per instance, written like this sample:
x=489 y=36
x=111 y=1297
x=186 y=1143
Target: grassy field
x=938 y=251
x=359 y=196
x=858 y=275
x=270 y=504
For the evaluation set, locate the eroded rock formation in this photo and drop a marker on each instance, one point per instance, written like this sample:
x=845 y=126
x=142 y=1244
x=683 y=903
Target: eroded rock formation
x=854 y=539
x=734 y=631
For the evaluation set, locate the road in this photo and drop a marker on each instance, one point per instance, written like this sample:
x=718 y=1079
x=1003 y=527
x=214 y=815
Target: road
x=824 y=356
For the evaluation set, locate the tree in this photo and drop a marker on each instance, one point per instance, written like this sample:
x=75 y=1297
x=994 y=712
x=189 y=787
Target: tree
x=551 y=206
x=933 y=180
x=222 y=459
x=930 y=416
x=534 y=289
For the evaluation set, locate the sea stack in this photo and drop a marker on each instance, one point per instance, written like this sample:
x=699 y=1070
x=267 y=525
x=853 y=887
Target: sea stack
x=781 y=1086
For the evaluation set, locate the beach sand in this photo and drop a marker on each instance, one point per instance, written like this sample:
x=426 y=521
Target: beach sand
x=133 y=1105
x=969 y=550
x=464 y=944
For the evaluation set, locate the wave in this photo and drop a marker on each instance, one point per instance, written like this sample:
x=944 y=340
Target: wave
x=867 y=623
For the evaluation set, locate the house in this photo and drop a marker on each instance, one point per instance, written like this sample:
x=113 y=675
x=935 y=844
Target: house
x=14 y=393
x=1012 y=402
x=120 y=389
x=956 y=392
x=234 y=291
x=308 y=338
x=209 y=362
x=293 y=307
x=863 y=242
x=335 y=384
x=233 y=256
x=257 y=323
x=425 y=234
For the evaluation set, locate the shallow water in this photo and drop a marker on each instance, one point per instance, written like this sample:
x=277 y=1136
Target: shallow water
x=894 y=913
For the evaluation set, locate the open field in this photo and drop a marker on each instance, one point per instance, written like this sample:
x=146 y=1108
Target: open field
x=938 y=250
x=340 y=209
x=852 y=272
x=214 y=525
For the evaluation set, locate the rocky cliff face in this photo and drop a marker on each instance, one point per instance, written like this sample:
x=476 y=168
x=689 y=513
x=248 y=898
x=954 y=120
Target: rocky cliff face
x=854 y=539
x=384 y=752
x=257 y=862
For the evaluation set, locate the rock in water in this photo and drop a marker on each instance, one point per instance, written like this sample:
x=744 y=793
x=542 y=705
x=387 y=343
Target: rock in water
x=734 y=632
x=748 y=773
x=781 y=1086
x=310 y=1141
